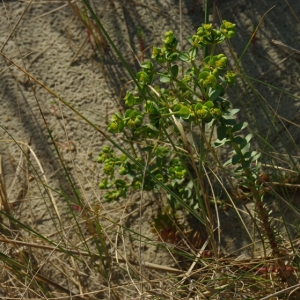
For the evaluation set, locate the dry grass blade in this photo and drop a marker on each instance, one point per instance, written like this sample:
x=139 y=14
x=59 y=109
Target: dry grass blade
x=45 y=183
x=53 y=10
x=91 y=28
x=283 y=291
x=289 y=48
x=16 y=25
x=119 y=259
x=290 y=7
x=3 y=195
x=43 y=279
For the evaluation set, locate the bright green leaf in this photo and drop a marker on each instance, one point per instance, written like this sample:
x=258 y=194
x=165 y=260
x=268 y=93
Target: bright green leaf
x=120 y=184
x=193 y=53
x=219 y=143
x=174 y=71
x=165 y=77
x=221 y=132
x=238 y=140
x=246 y=148
x=209 y=104
x=248 y=137
x=184 y=57
x=185 y=112
x=236 y=158
x=215 y=92
x=239 y=126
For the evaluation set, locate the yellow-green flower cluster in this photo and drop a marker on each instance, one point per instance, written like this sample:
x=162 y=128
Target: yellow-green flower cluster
x=228 y=29
x=207 y=35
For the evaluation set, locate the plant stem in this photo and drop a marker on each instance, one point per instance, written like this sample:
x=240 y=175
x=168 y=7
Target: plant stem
x=202 y=149
x=206 y=20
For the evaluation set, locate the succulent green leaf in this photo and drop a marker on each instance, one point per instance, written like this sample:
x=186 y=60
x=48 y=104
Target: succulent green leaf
x=257 y=167
x=160 y=177
x=138 y=100
x=162 y=152
x=106 y=149
x=129 y=99
x=255 y=156
x=123 y=170
x=184 y=56
x=193 y=53
x=185 y=112
x=239 y=126
x=209 y=104
x=177 y=107
x=215 y=92
x=190 y=40
x=151 y=127
x=148 y=65
x=142 y=78
x=221 y=132
x=170 y=57
x=248 y=137
x=165 y=77
x=246 y=164
x=117 y=124
x=120 y=184
x=128 y=113
x=174 y=71
x=233 y=111
x=245 y=148
x=236 y=159
x=228 y=162
x=228 y=121
x=198 y=106
x=103 y=184
x=238 y=140
x=219 y=143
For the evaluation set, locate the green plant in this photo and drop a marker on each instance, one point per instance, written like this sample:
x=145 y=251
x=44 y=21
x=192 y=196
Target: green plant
x=161 y=122
x=196 y=98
